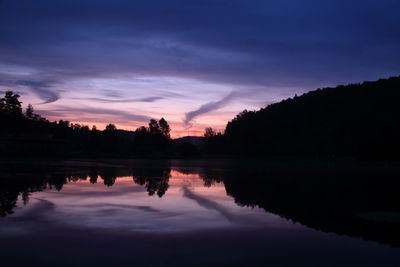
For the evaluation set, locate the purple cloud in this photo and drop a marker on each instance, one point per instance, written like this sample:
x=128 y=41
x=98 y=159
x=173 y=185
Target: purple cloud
x=206 y=108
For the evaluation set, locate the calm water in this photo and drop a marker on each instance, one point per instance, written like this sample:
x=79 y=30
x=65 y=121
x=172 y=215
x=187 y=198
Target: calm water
x=156 y=213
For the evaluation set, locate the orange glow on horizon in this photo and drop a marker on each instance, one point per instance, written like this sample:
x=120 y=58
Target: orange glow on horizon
x=177 y=129
x=174 y=106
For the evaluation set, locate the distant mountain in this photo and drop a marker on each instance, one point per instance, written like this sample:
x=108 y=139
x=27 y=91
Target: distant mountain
x=194 y=140
x=357 y=120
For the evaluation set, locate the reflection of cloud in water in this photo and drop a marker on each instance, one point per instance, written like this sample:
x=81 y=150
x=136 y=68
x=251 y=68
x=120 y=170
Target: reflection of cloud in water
x=122 y=206
x=37 y=211
x=208 y=204
x=115 y=193
x=187 y=206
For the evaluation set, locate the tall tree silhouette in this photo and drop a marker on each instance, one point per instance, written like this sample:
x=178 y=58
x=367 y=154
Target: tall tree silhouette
x=154 y=127
x=164 y=128
x=209 y=132
x=29 y=112
x=111 y=127
x=10 y=104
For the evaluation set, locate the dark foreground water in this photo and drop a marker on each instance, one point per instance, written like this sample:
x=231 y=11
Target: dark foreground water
x=199 y=213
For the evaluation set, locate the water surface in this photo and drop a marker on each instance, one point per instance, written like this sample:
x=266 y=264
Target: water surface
x=190 y=213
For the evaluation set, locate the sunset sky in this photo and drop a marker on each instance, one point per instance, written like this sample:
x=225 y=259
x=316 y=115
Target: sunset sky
x=195 y=63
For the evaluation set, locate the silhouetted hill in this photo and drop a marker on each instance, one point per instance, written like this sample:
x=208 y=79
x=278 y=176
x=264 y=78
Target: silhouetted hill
x=194 y=140
x=360 y=120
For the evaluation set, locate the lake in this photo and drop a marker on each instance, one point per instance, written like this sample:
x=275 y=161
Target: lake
x=199 y=213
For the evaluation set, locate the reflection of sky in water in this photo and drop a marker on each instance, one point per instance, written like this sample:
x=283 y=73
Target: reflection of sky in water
x=187 y=206
x=88 y=224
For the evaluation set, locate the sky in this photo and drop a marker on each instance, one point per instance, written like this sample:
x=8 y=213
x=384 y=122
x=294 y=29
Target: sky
x=195 y=63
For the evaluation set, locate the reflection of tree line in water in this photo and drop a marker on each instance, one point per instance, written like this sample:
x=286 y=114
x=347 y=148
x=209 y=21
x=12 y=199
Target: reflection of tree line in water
x=16 y=184
x=35 y=179
x=327 y=196
x=322 y=195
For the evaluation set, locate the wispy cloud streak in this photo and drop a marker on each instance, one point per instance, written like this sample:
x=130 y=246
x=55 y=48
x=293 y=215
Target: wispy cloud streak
x=206 y=108
x=85 y=111
x=129 y=100
x=42 y=88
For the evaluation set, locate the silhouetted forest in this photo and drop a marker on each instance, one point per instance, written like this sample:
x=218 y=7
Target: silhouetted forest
x=357 y=120
x=25 y=134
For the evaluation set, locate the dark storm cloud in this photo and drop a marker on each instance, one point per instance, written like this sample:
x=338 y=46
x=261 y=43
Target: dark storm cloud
x=206 y=108
x=276 y=44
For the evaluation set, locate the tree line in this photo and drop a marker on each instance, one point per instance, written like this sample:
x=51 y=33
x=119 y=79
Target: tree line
x=357 y=120
x=25 y=133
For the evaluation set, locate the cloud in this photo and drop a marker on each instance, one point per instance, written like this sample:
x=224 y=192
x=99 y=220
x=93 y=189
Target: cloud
x=149 y=99
x=82 y=112
x=131 y=100
x=42 y=88
x=211 y=106
x=277 y=43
